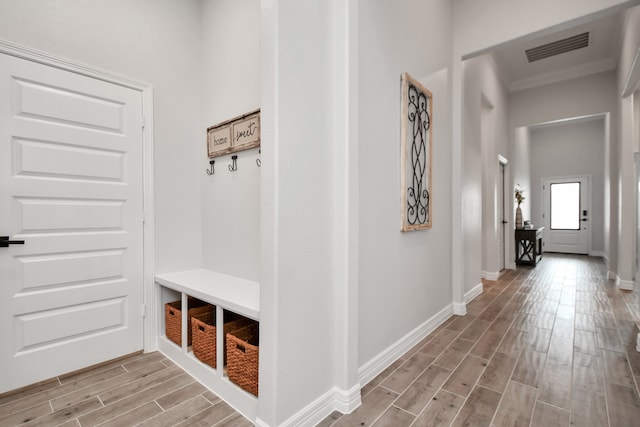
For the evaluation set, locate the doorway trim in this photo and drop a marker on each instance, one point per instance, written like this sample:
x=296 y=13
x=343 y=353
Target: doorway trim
x=507 y=210
x=146 y=90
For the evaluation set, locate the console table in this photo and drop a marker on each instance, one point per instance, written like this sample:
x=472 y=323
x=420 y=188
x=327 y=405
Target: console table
x=529 y=246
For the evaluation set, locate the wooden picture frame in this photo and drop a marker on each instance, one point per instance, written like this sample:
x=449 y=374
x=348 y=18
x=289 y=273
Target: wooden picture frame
x=238 y=134
x=416 y=158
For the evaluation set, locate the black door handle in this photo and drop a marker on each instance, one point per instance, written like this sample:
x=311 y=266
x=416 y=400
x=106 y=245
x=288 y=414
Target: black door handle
x=5 y=242
x=584 y=220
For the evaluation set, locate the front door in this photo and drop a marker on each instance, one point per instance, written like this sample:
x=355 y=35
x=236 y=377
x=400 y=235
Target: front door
x=566 y=214
x=71 y=188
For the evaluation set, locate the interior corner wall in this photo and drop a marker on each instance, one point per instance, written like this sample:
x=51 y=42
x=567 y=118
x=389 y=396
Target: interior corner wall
x=485 y=139
x=570 y=149
x=474 y=256
x=230 y=88
x=405 y=277
x=124 y=37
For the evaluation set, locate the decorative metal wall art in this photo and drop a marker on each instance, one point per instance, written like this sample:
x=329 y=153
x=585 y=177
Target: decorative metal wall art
x=416 y=125
x=238 y=134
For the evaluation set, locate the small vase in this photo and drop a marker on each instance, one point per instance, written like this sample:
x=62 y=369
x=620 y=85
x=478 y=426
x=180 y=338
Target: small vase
x=519 y=217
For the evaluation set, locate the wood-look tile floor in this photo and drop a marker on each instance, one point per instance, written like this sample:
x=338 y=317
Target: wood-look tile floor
x=549 y=346
x=142 y=390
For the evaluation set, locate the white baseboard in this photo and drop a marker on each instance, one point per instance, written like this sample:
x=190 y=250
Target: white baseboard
x=611 y=275
x=493 y=276
x=346 y=401
x=459 y=308
x=473 y=293
x=335 y=399
x=597 y=253
x=626 y=285
x=382 y=361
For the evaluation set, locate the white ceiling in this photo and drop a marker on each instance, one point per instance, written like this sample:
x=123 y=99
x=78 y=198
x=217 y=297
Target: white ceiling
x=601 y=55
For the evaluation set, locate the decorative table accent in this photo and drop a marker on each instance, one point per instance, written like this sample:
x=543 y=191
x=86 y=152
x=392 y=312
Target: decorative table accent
x=519 y=200
x=529 y=246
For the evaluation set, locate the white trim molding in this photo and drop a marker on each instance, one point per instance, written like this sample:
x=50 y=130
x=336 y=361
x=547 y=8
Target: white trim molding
x=344 y=401
x=633 y=76
x=459 y=308
x=382 y=361
x=493 y=276
x=473 y=293
x=625 y=285
x=146 y=90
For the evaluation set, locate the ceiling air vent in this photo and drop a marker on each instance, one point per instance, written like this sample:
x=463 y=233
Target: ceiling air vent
x=556 y=48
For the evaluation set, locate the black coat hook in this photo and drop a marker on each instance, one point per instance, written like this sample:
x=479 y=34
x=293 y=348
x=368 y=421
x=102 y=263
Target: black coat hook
x=258 y=161
x=210 y=171
x=234 y=165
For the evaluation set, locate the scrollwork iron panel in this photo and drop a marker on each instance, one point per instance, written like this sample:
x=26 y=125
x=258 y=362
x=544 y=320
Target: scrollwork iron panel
x=417 y=106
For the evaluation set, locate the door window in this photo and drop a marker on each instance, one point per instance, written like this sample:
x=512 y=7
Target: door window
x=565 y=206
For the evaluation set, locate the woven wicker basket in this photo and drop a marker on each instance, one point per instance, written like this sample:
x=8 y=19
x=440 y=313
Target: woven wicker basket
x=203 y=331
x=173 y=318
x=242 y=357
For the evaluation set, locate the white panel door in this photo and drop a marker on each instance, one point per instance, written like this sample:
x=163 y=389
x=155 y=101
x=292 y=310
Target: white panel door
x=567 y=206
x=71 y=189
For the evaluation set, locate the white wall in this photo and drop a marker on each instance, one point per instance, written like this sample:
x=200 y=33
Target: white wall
x=230 y=87
x=521 y=169
x=480 y=25
x=571 y=149
x=627 y=144
x=148 y=40
x=404 y=277
x=300 y=228
x=485 y=137
x=585 y=96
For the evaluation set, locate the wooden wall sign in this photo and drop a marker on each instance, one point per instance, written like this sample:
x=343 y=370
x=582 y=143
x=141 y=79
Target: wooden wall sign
x=238 y=134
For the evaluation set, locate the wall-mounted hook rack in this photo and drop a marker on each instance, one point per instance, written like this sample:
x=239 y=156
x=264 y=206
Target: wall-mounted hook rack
x=210 y=171
x=258 y=161
x=234 y=166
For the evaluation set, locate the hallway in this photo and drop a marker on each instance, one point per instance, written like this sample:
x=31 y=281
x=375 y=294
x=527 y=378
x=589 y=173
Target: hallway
x=550 y=346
